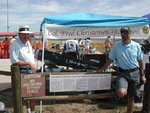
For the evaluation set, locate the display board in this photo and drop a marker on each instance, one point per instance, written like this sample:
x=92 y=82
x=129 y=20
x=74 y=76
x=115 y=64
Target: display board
x=79 y=82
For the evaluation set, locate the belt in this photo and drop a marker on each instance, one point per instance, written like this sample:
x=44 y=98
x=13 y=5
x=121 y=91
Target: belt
x=127 y=70
x=25 y=68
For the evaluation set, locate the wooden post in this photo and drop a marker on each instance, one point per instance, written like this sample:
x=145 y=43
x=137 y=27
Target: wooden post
x=16 y=88
x=146 y=101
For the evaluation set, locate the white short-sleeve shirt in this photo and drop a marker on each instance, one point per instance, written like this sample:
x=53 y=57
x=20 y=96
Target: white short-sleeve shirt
x=21 y=52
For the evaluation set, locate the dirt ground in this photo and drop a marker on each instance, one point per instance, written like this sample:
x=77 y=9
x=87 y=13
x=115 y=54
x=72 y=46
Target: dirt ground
x=84 y=106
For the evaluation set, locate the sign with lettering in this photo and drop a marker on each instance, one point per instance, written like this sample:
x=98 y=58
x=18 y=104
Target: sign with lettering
x=79 y=82
x=53 y=31
x=32 y=85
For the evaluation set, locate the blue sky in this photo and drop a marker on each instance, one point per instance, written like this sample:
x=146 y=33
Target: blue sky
x=32 y=12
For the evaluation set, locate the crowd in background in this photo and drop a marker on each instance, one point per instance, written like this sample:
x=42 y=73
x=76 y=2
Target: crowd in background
x=85 y=46
x=5 y=46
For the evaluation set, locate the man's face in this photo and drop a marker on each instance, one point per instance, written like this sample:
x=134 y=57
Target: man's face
x=24 y=37
x=125 y=35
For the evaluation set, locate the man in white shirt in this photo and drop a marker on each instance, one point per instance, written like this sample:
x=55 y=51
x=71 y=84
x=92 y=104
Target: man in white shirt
x=21 y=53
x=71 y=47
x=85 y=45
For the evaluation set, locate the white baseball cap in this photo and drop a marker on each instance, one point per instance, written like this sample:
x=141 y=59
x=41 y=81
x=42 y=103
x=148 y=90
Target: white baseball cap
x=24 y=29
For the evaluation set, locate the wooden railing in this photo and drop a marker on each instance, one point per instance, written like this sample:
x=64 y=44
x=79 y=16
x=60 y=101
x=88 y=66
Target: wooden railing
x=18 y=100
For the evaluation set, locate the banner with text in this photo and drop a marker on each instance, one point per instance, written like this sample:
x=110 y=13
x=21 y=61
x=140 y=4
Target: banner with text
x=52 y=31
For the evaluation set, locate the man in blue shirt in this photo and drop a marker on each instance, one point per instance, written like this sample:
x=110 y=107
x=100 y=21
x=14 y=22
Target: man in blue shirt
x=128 y=57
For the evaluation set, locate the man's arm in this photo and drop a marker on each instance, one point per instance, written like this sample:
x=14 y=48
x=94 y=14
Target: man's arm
x=24 y=63
x=141 y=68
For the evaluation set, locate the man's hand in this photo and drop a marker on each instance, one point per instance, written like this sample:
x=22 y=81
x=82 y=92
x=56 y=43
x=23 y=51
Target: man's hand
x=143 y=79
x=33 y=67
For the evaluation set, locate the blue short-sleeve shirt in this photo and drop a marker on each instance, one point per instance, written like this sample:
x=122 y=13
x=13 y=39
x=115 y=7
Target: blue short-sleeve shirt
x=126 y=56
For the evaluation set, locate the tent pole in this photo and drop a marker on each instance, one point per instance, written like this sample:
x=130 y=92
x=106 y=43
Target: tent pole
x=43 y=41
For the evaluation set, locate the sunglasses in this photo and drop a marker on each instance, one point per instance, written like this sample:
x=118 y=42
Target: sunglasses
x=125 y=32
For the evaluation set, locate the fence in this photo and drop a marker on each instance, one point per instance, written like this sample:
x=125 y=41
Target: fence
x=18 y=100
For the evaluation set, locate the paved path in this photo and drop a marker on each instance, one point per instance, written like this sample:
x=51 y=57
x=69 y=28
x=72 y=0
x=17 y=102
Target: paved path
x=5 y=81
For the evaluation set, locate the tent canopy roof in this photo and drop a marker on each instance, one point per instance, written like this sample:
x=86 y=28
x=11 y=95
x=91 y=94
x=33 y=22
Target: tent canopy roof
x=148 y=17
x=87 y=19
